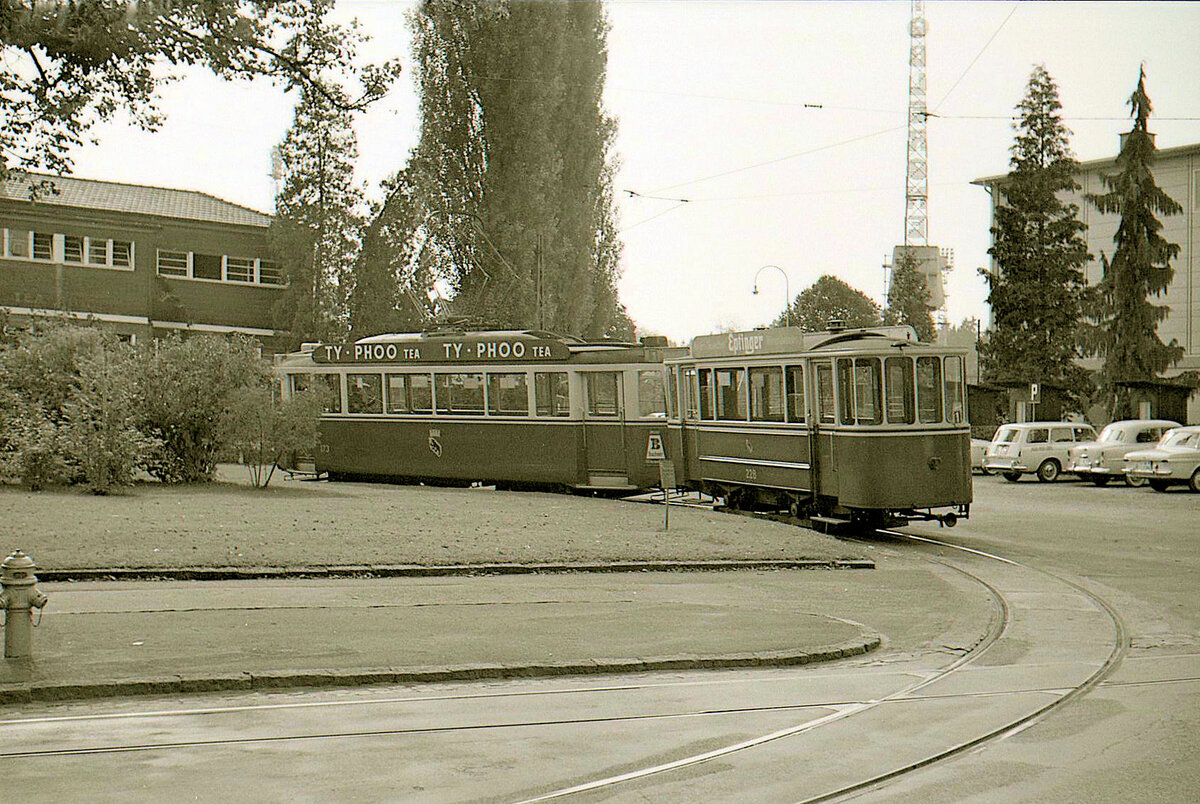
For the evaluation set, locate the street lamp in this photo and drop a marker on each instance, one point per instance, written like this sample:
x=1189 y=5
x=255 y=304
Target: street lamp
x=787 y=293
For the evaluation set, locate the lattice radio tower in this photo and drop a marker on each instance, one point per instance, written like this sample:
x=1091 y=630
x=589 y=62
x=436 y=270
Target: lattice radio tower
x=916 y=210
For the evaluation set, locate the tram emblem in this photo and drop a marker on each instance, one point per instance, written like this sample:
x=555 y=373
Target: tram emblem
x=435 y=444
x=654 y=448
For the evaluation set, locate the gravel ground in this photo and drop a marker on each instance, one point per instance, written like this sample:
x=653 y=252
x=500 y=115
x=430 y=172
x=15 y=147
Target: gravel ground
x=294 y=523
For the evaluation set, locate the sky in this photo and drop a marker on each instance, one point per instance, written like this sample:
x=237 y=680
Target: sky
x=782 y=124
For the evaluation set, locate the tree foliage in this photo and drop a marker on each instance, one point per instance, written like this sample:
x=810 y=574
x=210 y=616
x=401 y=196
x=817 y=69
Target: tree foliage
x=908 y=298
x=263 y=428
x=830 y=298
x=67 y=64
x=1126 y=321
x=1036 y=289
x=513 y=172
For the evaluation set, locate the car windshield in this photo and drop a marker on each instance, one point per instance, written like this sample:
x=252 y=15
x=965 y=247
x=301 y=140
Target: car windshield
x=1112 y=434
x=1177 y=438
x=1007 y=435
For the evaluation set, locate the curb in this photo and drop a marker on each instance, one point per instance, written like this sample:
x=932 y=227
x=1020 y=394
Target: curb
x=427 y=571
x=186 y=683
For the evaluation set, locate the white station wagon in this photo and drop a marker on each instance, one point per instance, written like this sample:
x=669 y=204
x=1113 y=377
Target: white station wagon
x=1103 y=460
x=1039 y=447
x=1175 y=460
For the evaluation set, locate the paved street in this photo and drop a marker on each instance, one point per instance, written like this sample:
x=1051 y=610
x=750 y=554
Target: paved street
x=936 y=684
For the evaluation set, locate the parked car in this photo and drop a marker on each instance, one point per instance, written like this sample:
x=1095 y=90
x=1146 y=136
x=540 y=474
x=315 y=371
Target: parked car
x=1175 y=460
x=1039 y=447
x=978 y=452
x=1103 y=460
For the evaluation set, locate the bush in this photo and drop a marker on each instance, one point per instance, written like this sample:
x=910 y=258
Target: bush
x=263 y=428
x=185 y=395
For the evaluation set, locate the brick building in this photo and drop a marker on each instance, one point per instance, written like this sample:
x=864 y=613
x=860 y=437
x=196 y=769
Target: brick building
x=1177 y=172
x=145 y=261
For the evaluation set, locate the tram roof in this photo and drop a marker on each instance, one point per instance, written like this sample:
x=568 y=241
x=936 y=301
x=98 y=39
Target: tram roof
x=793 y=340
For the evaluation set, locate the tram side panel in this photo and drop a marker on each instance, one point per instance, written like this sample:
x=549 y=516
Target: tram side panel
x=770 y=458
x=528 y=452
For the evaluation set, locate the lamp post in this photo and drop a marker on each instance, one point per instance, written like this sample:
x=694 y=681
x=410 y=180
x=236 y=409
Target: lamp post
x=787 y=306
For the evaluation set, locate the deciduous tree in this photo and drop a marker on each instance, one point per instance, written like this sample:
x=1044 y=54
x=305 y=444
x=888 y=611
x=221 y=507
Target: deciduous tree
x=827 y=299
x=1126 y=321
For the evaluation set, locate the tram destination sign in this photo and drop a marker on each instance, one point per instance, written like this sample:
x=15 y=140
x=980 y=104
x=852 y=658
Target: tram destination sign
x=444 y=350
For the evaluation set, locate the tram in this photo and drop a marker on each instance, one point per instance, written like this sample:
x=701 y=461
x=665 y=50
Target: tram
x=864 y=426
x=858 y=425
x=512 y=408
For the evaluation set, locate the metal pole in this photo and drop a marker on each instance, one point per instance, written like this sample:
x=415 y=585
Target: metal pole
x=787 y=292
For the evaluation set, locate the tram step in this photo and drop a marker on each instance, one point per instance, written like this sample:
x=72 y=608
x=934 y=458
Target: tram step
x=608 y=483
x=828 y=524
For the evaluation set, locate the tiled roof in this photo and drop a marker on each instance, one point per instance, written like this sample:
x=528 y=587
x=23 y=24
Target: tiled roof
x=132 y=198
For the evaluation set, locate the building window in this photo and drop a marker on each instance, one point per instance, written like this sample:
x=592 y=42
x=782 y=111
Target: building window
x=270 y=273
x=173 y=263
x=43 y=246
x=72 y=248
x=97 y=252
x=239 y=269
x=122 y=254
x=206 y=266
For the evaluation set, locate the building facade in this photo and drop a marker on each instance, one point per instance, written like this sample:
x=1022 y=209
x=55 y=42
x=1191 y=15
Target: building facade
x=143 y=261
x=1177 y=172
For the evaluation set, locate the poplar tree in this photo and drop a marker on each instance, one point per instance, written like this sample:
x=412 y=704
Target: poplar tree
x=908 y=298
x=1036 y=288
x=514 y=165
x=1126 y=321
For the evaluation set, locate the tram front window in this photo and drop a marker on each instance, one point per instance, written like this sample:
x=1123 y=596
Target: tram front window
x=867 y=391
x=929 y=389
x=954 y=389
x=899 y=385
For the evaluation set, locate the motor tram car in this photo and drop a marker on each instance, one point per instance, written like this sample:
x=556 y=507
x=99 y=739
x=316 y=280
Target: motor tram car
x=863 y=425
x=512 y=408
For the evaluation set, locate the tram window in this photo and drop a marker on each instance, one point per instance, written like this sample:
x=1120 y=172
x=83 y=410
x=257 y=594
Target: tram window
x=420 y=393
x=929 y=389
x=867 y=392
x=672 y=393
x=795 y=393
x=508 y=395
x=766 y=394
x=845 y=378
x=327 y=386
x=550 y=393
x=954 y=389
x=397 y=394
x=458 y=394
x=364 y=393
x=731 y=394
x=898 y=373
x=825 y=396
x=704 y=380
x=603 y=393
x=651 y=399
x=691 y=407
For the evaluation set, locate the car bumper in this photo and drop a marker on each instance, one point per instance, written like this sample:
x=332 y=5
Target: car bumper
x=1005 y=465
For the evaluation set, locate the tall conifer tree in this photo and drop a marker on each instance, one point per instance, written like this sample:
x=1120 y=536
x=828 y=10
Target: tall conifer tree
x=908 y=298
x=1125 y=335
x=1036 y=288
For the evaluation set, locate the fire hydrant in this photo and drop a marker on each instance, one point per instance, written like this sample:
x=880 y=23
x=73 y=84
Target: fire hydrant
x=19 y=598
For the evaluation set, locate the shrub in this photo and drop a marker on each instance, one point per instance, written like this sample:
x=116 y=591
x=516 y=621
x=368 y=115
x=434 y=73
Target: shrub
x=263 y=428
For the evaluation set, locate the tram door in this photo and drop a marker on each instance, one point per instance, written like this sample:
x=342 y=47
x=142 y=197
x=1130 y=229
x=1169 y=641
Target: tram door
x=825 y=419
x=604 y=428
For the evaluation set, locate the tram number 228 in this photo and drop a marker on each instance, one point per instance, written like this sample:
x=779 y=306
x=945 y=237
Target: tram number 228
x=751 y=473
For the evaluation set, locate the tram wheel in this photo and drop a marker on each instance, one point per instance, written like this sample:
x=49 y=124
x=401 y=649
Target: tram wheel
x=795 y=509
x=1048 y=471
x=1012 y=477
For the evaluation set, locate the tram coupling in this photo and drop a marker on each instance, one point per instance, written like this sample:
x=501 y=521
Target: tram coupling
x=946 y=520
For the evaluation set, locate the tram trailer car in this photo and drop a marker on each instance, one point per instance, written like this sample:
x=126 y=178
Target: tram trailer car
x=514 y=408
x=865 y=425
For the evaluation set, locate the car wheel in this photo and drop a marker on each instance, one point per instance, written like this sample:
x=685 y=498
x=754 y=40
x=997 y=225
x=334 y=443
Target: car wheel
x=1101 y=480
x=1012 y=477
x=1159 y=485
x=983 y=470
x=1048 y=471
x=1134 y=482
x=1194 y=483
